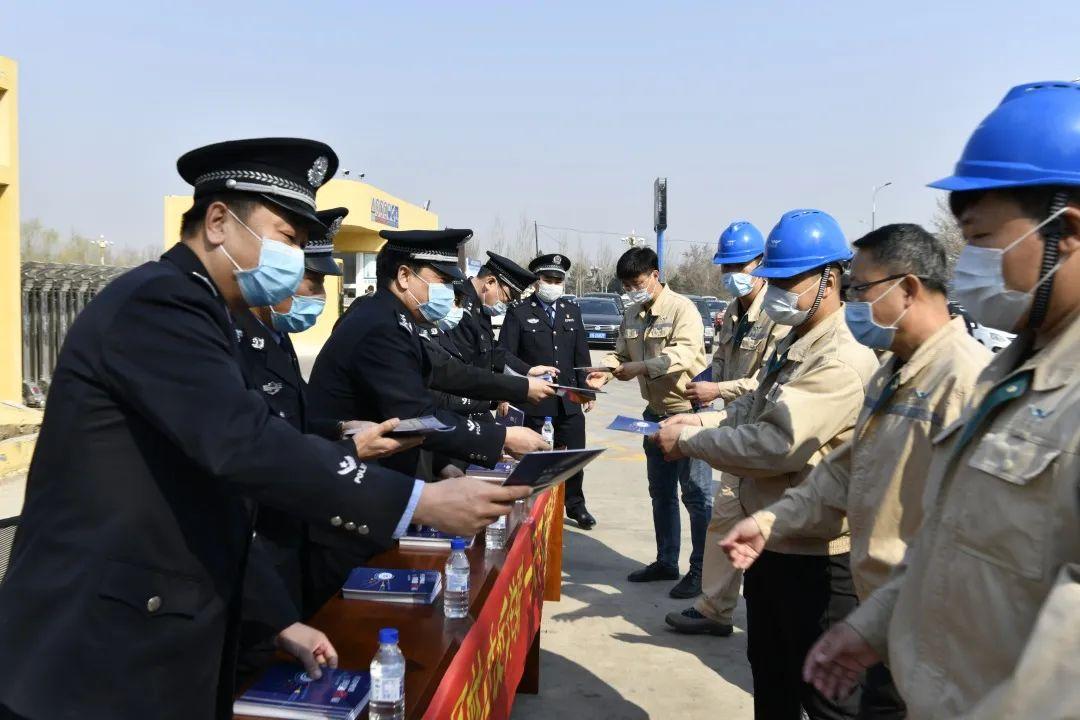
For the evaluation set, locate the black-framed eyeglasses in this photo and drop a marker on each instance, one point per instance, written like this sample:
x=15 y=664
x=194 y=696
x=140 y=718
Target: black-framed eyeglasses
x=857 y=290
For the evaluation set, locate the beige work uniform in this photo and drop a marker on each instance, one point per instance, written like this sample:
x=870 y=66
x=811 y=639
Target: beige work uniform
x=983 y=615
x=877 y=479
x=808 y=397
x=744 y=342
x=669 y=337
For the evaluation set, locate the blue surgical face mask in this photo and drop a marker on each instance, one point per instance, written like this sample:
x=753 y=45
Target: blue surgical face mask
x=451 y=320
x=498 y=308
x=440 y=300
x=860 y=320
x=304 y=312
x=276 y=277
x=782 y=306
x=641 y=295
x=737 y=283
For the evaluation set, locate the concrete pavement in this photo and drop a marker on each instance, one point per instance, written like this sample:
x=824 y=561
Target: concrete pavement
x=606 y=651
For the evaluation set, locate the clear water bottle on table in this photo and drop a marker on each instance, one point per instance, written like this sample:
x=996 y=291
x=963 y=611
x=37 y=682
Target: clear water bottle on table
x=387 y=679
x=456 y=585
x=548 y=432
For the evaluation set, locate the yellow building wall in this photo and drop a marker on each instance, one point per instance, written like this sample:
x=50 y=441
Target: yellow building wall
x=10 y=265
x=359 y=233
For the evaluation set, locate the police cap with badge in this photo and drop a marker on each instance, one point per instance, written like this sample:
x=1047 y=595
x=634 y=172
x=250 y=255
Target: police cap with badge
x=509 y=273
x=319 y=251
x=554 y=264
x=285 y=172
x=437 y=249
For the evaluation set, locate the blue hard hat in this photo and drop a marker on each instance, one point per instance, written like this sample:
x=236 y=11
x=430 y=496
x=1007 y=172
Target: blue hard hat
x=801 y=241
x=1031 y=138
x=740 y=243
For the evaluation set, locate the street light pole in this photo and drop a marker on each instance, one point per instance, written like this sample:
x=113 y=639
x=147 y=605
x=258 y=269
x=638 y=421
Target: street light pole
x=873 y=204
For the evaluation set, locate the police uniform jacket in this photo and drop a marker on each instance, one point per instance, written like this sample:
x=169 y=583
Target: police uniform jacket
x=273 y=587
x=529 y=334
x=475 y=337
x=374 y=367
x=122 y=597
x=436 y=342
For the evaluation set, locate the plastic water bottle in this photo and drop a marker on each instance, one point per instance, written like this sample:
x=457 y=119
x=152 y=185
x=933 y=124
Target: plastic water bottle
x=495 y=535
x=387 y=679
x=548 y=432
x=456 y=592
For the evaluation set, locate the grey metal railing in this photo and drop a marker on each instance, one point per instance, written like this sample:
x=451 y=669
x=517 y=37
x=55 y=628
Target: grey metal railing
x=53 y=294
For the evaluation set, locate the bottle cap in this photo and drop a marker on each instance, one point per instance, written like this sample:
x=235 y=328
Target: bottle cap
x=388 y=636
x=457 y=543
x=547 y=419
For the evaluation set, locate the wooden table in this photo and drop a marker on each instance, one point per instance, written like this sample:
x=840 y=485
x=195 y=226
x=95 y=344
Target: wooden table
x=430 y=642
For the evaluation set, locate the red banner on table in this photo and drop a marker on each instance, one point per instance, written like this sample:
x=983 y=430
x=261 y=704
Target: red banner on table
x=484 y=674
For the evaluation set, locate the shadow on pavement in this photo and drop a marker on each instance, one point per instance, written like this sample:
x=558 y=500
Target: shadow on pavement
x=588 y=562
x=587 y=697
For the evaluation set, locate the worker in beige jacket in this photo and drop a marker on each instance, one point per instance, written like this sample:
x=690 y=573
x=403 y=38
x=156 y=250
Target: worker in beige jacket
x=747 y=336
x=896 y=301
x=809 y=394
x=982 y=618
x=661 y=343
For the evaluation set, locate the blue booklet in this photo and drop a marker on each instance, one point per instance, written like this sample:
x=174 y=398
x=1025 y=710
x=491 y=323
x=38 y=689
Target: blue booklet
x=425 y=537
x=413 y=587
x=286 y=691
x=413 y=426
x=541 y=470
x=513 y=418
x=704 y=376
x=623 y=423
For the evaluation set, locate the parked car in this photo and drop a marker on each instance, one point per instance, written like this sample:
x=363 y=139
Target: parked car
x=617 y=299
x=601 y=317
x=706 y=319
x=716 y=309
x=995 y=340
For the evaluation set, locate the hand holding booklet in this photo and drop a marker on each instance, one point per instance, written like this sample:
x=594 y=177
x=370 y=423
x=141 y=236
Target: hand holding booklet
x=413 y=426
x=541 y=470
x=623 y=423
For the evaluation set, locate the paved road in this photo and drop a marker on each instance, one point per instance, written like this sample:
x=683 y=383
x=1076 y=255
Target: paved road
x=606 y=652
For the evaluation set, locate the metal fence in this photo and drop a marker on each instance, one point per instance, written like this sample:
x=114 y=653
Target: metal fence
x=52 y=295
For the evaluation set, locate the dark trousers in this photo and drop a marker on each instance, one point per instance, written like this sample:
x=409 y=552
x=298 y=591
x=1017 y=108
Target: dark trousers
x=694 y=478
x=569 y=434
x=790 y=601
x=880 y=698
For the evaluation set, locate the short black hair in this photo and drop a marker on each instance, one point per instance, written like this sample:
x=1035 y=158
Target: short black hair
x=1034 y=200
x=387 y=263
x=243 y=204
x=908 y=248
x=636 y=261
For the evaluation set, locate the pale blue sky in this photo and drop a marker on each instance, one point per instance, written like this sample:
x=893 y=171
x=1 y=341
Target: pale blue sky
x=562 y=111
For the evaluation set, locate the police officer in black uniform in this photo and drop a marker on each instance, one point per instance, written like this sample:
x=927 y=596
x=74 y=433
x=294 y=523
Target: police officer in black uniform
x=374 y=366
x=274 y=580
x=129 y=559
x=546 y=329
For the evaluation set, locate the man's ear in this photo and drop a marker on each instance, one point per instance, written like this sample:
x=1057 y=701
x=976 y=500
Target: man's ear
x=1070 y=240
x=402 y=278
x=217 y=215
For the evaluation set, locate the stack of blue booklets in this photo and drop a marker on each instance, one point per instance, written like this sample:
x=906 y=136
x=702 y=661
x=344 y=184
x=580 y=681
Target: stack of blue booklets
x=425 y=537
x=499 y=472
x=411 y=587
x=286 y=691
x=514 y=417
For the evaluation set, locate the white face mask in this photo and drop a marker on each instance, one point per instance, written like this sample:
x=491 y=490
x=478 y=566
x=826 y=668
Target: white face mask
x=548 y=292
x=641 y=296
x=782 y=306
x=979 y=283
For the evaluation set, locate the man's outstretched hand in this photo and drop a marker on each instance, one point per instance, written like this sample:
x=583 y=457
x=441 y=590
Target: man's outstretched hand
x=371 y=441
x=465 y=505
x=837 y=661
x=744 y=543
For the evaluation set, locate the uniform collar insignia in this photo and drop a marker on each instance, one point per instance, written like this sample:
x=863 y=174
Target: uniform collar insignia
x=239 y=334
x=258 y=343
x=404 y=322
